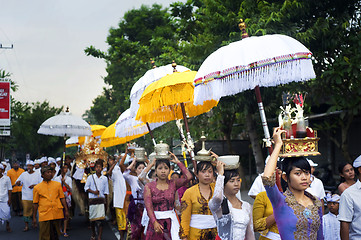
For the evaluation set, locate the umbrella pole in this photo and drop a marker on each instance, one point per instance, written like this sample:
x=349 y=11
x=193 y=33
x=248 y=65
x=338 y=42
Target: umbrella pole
x=263 y=119
x=151 y=134
x=183 y=138
x=62 y=162
x=266 y=130
x=189 y=138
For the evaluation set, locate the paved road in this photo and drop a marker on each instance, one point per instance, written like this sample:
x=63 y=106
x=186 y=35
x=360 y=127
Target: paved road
x=79 y=230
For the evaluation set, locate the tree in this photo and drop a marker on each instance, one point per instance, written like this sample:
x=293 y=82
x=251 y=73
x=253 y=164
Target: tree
x=142 y=34
x=331 y=31
x=190 y=31
x=26 y=120
x=328 y=28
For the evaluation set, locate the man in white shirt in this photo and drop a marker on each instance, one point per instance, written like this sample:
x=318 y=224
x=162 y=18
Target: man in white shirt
x=28 y=180
x=256 y=187
x=330 y=223
x=350 y=208
x=316 y=187
x=119 y=192
x=5 y=198
x=97 y=188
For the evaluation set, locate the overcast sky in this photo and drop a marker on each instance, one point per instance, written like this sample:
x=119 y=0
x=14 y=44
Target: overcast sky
x=49 y=37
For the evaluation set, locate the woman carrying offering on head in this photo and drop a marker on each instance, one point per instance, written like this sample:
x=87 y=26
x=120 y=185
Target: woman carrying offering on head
x=197 y=221
x=298 y=214
x=136 y=206
x=159 y=199
x=233 y=216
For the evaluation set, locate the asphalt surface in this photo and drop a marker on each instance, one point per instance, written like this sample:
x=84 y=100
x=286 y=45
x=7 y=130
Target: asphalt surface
x=79 y=230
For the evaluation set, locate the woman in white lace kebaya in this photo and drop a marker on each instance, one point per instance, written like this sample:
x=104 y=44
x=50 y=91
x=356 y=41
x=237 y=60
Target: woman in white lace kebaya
x=233 y=216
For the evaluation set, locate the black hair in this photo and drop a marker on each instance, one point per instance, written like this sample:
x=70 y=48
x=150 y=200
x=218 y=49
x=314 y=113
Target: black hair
x=340 y=170
x=194 y=180
x=99 y=162
x=229 y=174
x=111 y=157
x=162 y=161
x=204 y=165
x=45 y=168
x=139 y=163
x=151 y=173
x=295 y=162
x=65 y=165
x=173 y=173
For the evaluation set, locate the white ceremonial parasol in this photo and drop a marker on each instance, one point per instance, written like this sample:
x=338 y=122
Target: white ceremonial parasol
x=252 y=62
x=149 y=77
x=65 y=125
x=127 y=126
x=72 y=141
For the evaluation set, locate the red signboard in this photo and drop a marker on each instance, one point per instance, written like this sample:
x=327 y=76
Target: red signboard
x=4 y=103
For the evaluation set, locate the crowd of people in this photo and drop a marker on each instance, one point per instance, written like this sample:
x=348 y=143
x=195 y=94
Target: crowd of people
x=162 y=199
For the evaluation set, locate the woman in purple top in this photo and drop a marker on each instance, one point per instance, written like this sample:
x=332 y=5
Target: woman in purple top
x=298 y=214
x=159 y=201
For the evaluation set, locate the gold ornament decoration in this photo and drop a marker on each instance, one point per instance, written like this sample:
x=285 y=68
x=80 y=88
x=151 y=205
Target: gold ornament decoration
x=90 y=154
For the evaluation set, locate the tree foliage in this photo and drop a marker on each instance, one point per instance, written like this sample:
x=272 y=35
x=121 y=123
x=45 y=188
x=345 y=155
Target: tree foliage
x=26 y=120
x=189 y=32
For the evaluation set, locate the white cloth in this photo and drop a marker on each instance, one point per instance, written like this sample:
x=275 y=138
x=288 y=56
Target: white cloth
x=357 y=162
x=69 y=182
x=257 y=186
x=94 y=183
x=332 y=198
x=331 y=227
x=200 y=221
x=119 y=187
x=137 y=191
x=174 y=230
x=5 y=186
x=8 y=167
x=4 y=212
x=242 y=219
x=145 y=220
x=350 y=209
x=96 y=212
x=273 y=236
x=78 y=175
x=316 y=188
x=26 y=180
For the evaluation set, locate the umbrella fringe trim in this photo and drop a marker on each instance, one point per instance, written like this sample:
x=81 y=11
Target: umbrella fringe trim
x=252 y=67
x=238 y=81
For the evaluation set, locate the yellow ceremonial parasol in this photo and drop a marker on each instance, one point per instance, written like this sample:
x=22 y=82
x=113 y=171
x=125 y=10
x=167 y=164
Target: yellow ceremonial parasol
x=171 y=98
x=163 y=100
x=108 y=138
x=97 y=130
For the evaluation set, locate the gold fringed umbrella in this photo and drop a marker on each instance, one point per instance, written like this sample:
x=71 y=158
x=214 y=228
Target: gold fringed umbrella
x=171 y=98
x=108 y=138
x=97 y=131
x=162 y=100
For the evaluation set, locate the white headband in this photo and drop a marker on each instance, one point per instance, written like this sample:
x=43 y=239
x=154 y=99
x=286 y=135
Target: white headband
x=332 y=198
